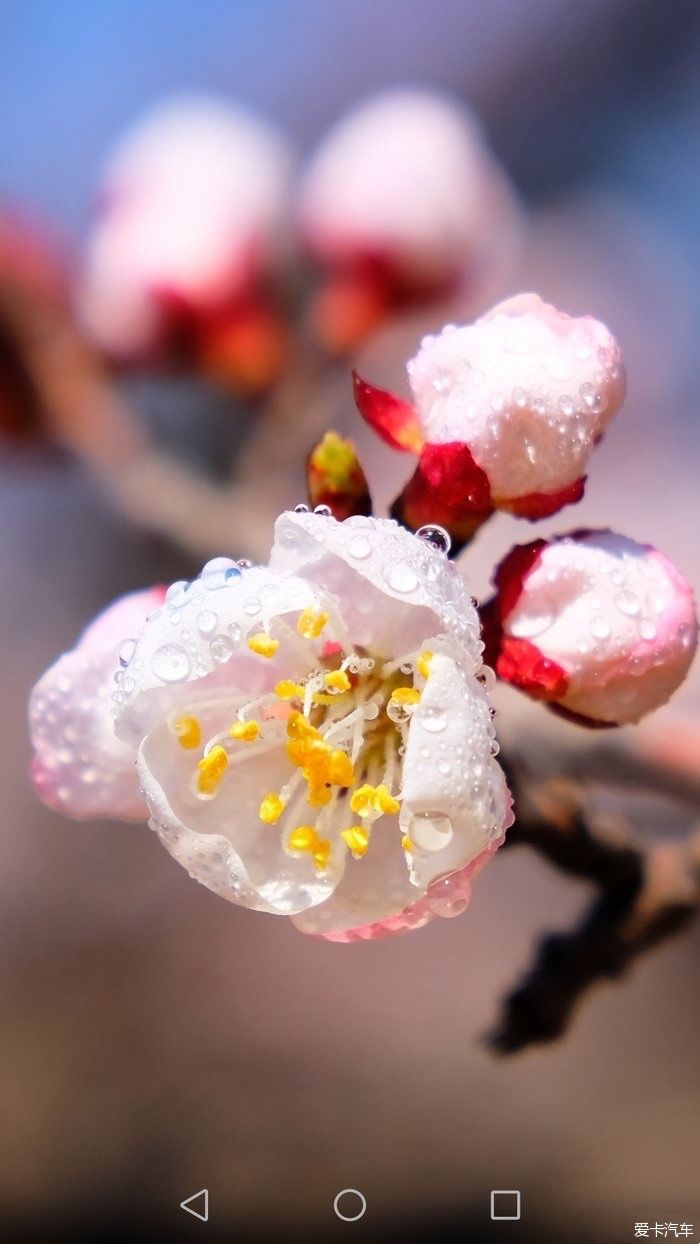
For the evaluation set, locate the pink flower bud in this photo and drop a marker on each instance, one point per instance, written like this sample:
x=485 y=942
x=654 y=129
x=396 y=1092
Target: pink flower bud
x=190 y=224
x=600 y=627
x=402 y=200
x=530 y=390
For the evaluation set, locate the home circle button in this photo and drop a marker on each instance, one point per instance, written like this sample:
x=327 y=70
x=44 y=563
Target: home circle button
x=350 y=1205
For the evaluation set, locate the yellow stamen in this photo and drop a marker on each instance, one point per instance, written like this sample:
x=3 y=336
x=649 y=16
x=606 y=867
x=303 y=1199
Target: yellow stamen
x=263 y=645
x=385 y=801
x=211 y=770
x=405 y=695
x=322 y=854
x=271 y=809
x=407 y=844
x=369 y=799
x=298 y=727
x=357 y=838
x=340 y=769
x=288 y=690
x=337 y=680
x=311 y=622
x=318 y=796
x=247 y=731
x=189 y=732
x=423 y=663
x=304 y=838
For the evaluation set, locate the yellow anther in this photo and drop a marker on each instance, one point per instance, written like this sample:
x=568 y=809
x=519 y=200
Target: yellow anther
x=318 y=796
x=304 y=838
x=340 y=769
x=211 y=769
x=362 y=801
x=271 y=809
x=322 y=854
x=263 y=645
x=189 y=732
x=385 y=801
x=405 y=695
x=311 y=622
x=337 y=680
x=369 y=799
x=248 y=731
x=357 y=838
x=407 y=844
x=288 y=690
x=298 y=727
x=423 y=663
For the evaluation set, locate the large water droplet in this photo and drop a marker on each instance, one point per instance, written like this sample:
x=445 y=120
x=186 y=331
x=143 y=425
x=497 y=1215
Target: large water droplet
x=531 y=623
x=170 y=663
x=401 y=577
x=359 y=547
x=437 y=537
x=126 y=651
x=221 y=648
x=433 y=719
x=431 y=831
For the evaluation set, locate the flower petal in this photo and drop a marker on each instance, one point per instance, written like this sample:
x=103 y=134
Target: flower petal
x=221 y=841
x=392 y=589
x=391 y=417
x=199 y=636
x=455 y=799
x=81 y=767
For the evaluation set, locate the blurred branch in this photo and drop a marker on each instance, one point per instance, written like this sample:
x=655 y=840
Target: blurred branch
x=647 y=891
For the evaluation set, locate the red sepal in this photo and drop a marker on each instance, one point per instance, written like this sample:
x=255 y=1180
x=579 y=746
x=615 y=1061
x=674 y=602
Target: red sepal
x=391 y=417
x=537 y=505
x=511 y=574
x=447 y=487
x=522 y=664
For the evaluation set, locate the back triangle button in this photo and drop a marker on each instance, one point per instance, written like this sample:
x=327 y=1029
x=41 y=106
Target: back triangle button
x=202 y=1210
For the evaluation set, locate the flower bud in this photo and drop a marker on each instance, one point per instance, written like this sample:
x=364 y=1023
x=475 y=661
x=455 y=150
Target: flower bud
x=598 y=626
x=401 y=202
x=189 y=231
x=335 y=478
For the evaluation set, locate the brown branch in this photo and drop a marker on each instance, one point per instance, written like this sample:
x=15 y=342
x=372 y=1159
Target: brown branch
x=647 y=891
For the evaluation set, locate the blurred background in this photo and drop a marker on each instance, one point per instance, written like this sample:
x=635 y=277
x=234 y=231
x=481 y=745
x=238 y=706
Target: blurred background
x=154 y=1040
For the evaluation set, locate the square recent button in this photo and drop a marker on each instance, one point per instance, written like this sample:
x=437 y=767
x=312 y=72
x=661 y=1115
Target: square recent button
x=505 y=1205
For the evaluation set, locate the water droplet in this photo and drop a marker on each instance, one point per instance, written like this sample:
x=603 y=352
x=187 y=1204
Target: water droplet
x=176 y=595
x=126 y=652
x=221 y=648
x=627 y=603
x=301 y=508
x=445 y=768
x=431 y=831
x=324 y=510
x=530 y=624
x=252 y=606
x=401 y=577
x=359 y=547
x=170 y=663
x=600 y=628
x=206 y=621
x=647 y=629
x=437 y=537
x=433 y=719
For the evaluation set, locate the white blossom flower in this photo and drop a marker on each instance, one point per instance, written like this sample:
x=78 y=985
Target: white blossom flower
x=593 y=623
x=314 y=737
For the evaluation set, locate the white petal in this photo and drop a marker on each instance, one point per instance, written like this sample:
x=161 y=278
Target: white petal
x=372 y=888
x=81 y=767
x=199 y=637
x=221 y=841
x=455 y=799
x=393 y=589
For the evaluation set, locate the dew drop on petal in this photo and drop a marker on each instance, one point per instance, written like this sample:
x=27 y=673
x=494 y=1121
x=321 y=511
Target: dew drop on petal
x=359 y=548
x=206 y=621
x=437 y=537
x=627 y=603
x=252 y=606
x=431 y=831
x=647 y=629
x=126 y=651
x=600 y=628
x=401 y=577
x=221 y=648
x=433 y=719
x=170 y=663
